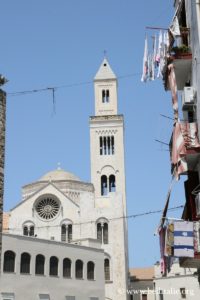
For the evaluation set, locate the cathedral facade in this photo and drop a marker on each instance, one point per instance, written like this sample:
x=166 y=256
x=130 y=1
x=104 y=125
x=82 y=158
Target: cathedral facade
x=67 y=239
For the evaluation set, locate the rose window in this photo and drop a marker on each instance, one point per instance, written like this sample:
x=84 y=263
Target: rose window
x=47 y=208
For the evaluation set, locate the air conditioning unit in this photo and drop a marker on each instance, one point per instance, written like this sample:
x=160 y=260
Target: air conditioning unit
x=197 y=201
x=188 y=97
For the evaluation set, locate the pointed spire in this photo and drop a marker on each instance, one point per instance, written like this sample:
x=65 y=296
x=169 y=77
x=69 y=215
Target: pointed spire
x=105 y=72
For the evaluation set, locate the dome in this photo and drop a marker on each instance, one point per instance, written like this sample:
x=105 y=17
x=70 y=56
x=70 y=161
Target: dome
x=59 y=174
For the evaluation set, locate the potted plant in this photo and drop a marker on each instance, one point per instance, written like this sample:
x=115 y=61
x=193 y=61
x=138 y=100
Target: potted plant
x=181 y=51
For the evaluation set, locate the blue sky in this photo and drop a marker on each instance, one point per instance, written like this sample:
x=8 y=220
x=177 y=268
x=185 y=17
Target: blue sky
x=54 y=43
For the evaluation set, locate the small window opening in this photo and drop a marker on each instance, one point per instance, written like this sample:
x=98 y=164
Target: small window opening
x=90 y=270
x=79 y=269
x=104 y=189
x=39 y=264
x=67 y=268
x=101 y=145
x=112 y=186
x=53 y=266
x=107 y=269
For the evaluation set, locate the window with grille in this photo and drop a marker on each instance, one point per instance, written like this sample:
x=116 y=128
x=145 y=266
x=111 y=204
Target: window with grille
x=39 y=264
x=9 y=261
x=25 y=263
x=106 y=145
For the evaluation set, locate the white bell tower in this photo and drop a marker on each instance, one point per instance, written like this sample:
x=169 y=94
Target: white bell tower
x=108 y=178
x=107 y=136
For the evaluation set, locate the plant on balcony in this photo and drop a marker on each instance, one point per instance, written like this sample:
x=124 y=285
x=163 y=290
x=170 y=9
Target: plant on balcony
x=180 y=51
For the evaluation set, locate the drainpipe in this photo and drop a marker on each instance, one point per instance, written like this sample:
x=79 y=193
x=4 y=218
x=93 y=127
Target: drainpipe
x=2 y=155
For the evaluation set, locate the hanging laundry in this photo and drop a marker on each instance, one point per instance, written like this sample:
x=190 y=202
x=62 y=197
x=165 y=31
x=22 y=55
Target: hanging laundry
x=196 y=237
x=145 y=62
x=183 y=239
x=155 y=60
x=162 y=234
x=174 y=27
x=169 y=240
x=173 y=88
x=152 y=60
x=185 y=137
x=158 y=55
x=166 y=44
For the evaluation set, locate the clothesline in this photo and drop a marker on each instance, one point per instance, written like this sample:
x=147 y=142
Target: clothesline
x=156 y=28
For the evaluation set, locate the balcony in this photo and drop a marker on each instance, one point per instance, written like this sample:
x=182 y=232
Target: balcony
x=181 y=56
x=184 y=147
x=188 y=262
x=182 y=60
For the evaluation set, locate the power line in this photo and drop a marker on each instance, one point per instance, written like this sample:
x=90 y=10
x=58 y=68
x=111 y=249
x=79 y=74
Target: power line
x=111 y=219
x=54 y=88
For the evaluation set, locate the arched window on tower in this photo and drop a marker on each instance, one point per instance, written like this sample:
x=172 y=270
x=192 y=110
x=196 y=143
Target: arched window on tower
x=25 y=263
x=107 y=96
x=99 y=232
x=105 y=233
x=67 y=267
x=112 y=145
x=104 y=189
x=102 y=231
x=79 y=269
x=112 y=185
x=9 y=262
x=53 y=266
x=90 y=270
x=107 y=269
x=39 y=264
x=106 y=145
x=103 y=96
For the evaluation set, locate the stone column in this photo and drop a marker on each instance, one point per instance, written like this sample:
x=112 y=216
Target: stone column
x=2 y=159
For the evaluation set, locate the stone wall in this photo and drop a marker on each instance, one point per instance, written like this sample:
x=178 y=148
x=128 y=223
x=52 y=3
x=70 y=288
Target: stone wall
x=2 y=158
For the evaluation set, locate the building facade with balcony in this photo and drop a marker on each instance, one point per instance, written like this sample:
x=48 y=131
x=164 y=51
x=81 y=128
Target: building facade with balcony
x=181 y=75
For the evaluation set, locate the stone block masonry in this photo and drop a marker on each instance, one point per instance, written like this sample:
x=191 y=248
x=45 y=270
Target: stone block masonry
x=2 y=159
